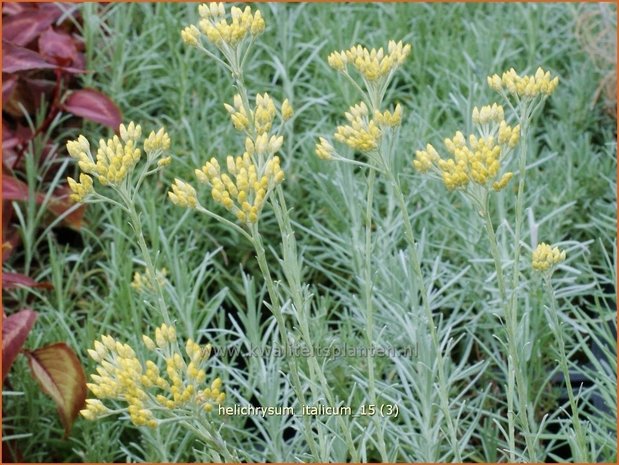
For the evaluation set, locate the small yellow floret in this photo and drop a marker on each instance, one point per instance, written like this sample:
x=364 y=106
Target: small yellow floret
x=546 y=257
x=528 y=87
x=80 y=189
x=183 y=194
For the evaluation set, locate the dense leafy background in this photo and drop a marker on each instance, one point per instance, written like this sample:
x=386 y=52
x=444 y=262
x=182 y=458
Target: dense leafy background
x=138 y=59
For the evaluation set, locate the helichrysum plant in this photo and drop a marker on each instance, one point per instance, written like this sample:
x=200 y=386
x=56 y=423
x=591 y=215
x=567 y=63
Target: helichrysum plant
x=477 y=165
x=372 y=130
x=170 y=386
x=245 y=183
x=165 y=382
x=165 y=386
x=117 y=168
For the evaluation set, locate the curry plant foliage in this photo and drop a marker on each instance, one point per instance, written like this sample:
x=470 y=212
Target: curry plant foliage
x=335 y=258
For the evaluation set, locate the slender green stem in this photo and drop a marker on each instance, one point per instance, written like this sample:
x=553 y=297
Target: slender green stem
x=150 y=267
x=225 y=221
x=212 y=439
x=414 y=258
x=494 y=248
x=581 y=454
x=511 y=310
x=256 y=240
x=296 y=291
x=369 y=311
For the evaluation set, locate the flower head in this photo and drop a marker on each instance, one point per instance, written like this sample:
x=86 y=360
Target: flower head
x=546 y=257
x=244 y=188
x=183 y=194
x=80 y=189
x=324 y=149
x=372 y=64
x=530 y=86
x=260 y=118
x=173 y=379
x=191 y=35
x=362 y=132
x=157 y=141
x=116 y=157
x=477 y=158
x=221 y=31
x=389 y=119
x=287 y=110
x=142 y=282
x=488 y=114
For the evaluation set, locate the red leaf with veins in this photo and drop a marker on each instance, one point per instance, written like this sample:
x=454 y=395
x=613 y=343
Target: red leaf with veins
x=15 y=329
x=59 y=203
x=61 y=376
x=15 y=58
x=58 y=47
x=94 y=106
x=16 y=280
x=24 y=27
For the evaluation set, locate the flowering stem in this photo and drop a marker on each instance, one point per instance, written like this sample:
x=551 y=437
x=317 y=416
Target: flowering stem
x=150 y=267
x=215 y=440
x=291 y=258
x=580 y=452
x=256 y=240
x=369 y=284
x=511 y=310
x=414 y=258
x=225 y=221
x=494 y=248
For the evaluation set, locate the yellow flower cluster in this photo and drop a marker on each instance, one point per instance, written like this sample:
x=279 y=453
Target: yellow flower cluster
x=371 y=64
x=142 y=283
x=221 y=31
x=389 y=119
x=261 y=118
x=545 y=257
x=324 y=149
x=488 y=114
x=80 y=189
x=477 y=160
x=122 y=377
x=531 y=86
x=115 y=158
x=362 y=133
x=244 y=188
x=183 y=194
x=157 y=141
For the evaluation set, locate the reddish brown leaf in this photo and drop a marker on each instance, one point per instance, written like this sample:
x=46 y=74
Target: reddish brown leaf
x=94 y=106
x=17 y=280
x=15 y=58
x=24 y=27
x=30 y=94
x=57 y=47
x=14 y=189
x=11 y=9
x=15 y=329
x=61 y=376
x=58 y=203
x=8 y=85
